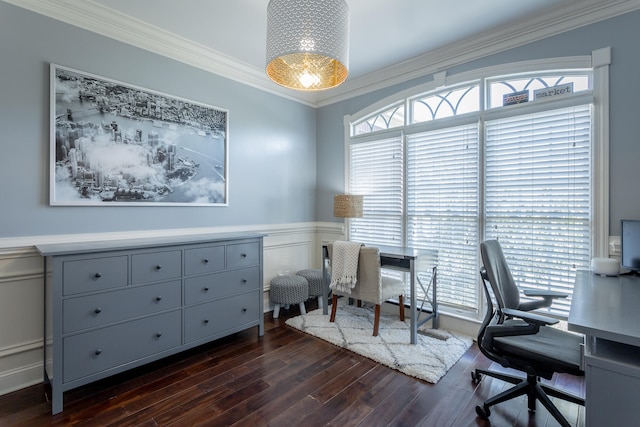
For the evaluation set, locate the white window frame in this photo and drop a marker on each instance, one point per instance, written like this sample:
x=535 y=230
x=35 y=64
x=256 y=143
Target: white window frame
x=598 y=61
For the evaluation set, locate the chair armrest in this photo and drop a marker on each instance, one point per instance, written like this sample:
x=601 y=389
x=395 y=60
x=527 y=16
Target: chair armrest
x=530 y=327
x=529 y=317
x=544 y=293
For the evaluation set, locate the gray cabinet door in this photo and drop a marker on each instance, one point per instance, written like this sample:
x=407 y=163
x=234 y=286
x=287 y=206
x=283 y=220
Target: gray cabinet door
x=243 y=255
x=220 y=285
x=156 y=266
x=217 y=316
x=101 y=309
x=96 y=351
x=94 y=274
x=204 y=260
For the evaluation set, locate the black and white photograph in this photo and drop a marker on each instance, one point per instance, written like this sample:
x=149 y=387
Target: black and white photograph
x=118 y=144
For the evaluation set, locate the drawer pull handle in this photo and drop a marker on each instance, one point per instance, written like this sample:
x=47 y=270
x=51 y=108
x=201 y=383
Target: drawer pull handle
x=158 y=267
x=244 y=309
x=98 y=352
x=158 y=299
x=206 y=289
x=158 y=334
x=206 y=260
x=243 y=255
x=97 y=310
x=205 y=321
x=97 y=275
x=244 y=281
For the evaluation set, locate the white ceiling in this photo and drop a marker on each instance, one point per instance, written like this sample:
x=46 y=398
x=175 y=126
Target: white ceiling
x=383 y=32
x=390 y=40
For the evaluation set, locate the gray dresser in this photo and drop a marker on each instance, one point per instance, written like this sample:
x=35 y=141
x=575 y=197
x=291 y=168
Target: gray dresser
x=114 y=305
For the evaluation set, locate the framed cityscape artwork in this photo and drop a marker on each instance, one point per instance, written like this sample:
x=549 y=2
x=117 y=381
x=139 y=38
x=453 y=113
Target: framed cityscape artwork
x=117 y=144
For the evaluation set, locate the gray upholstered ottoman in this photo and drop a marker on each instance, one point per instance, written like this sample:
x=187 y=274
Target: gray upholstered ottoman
x=314 y=278
x=286 y=290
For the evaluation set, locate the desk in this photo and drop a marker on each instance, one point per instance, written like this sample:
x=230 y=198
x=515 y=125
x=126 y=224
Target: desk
x=607 y=311
x=408 y=260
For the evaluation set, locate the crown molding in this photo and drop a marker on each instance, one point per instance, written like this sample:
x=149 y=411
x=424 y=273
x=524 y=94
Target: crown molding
x=111 y=23
x=105 y=21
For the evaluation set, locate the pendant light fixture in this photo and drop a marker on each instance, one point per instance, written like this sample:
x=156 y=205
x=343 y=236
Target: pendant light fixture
x=308 y=43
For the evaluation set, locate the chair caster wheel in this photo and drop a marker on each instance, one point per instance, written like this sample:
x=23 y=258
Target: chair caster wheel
x=483 y=412
x=476 y=377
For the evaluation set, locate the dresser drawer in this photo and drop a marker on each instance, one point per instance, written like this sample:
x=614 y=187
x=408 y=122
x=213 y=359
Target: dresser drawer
x=220 y=285
x=204 y=260
x=100 y=309
x=156 y=266
x=92 y=352
x=243 y=255
x=217 y=316
x=94 y=274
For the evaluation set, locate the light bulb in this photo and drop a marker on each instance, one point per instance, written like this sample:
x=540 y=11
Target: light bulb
x=307 y=79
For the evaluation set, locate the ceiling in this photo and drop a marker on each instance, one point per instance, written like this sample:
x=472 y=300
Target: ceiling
x=390 y=40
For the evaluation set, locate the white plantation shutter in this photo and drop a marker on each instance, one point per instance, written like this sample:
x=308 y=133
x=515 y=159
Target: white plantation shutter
x=537 y=196
x=442 y=207
x=446 y=180
x=376 y=171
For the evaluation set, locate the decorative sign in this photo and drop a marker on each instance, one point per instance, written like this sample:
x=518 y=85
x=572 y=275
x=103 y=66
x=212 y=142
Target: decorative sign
x=515 y=97
x=548 y=92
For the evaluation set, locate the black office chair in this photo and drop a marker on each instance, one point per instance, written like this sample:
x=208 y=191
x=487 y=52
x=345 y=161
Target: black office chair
x=501 y=277
x=523 y=341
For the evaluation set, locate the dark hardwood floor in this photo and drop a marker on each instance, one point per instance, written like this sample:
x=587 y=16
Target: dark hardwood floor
x=286 y=378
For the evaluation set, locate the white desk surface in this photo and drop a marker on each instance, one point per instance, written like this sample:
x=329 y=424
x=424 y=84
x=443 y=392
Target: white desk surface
x=606 y=307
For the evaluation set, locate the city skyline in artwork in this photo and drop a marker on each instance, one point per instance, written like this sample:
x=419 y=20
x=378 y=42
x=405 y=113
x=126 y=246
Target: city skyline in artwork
x=117 y=144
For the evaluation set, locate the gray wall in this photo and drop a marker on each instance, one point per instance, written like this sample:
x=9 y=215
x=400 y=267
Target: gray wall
x=272 y=141
x=275 y=145
x=620 y=33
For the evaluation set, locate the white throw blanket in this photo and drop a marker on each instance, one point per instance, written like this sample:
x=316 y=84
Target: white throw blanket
x=344 y=268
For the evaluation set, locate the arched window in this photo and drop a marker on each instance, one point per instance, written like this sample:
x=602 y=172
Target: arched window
x=487 y=155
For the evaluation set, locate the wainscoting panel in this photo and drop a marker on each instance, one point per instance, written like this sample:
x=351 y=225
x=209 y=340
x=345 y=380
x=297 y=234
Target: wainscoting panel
x=287 y=247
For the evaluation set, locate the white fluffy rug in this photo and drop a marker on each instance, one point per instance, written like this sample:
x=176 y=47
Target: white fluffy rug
x=432 y=356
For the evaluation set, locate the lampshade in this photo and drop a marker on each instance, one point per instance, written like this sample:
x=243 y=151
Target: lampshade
x=347 y=206
x=308 y=43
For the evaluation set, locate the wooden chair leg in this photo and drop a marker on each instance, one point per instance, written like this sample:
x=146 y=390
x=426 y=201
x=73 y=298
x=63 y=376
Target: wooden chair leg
x=376 y=320
x=334 y=306
x=401 y=302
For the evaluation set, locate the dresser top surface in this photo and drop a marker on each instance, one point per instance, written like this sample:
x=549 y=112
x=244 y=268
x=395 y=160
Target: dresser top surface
x=57 y=249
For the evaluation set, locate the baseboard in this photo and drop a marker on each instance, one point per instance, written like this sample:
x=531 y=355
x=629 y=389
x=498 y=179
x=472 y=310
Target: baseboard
x=22 y=377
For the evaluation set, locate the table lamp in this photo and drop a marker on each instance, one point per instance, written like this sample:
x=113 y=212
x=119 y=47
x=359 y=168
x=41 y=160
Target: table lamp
x=347 y=206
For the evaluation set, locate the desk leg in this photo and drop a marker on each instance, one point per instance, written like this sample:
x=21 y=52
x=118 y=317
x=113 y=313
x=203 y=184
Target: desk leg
x=434 y=300
x=414 y=309
x=325 y=283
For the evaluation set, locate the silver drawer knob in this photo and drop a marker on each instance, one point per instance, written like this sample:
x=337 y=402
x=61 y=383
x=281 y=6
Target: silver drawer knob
x=244 y=281
x=243 y=255
x=158 y=334
x=205 y=260
x=97 y=310
x=205 y=321
x=97 y=275
x=158 y=299
x=158 y=267
x=98 y=352
x=206 y=289
x=244 y=310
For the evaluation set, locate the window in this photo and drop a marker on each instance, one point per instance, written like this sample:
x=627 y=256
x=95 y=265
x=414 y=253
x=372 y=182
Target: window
x=442 y=206
x=537 y=198
x=464 y=168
